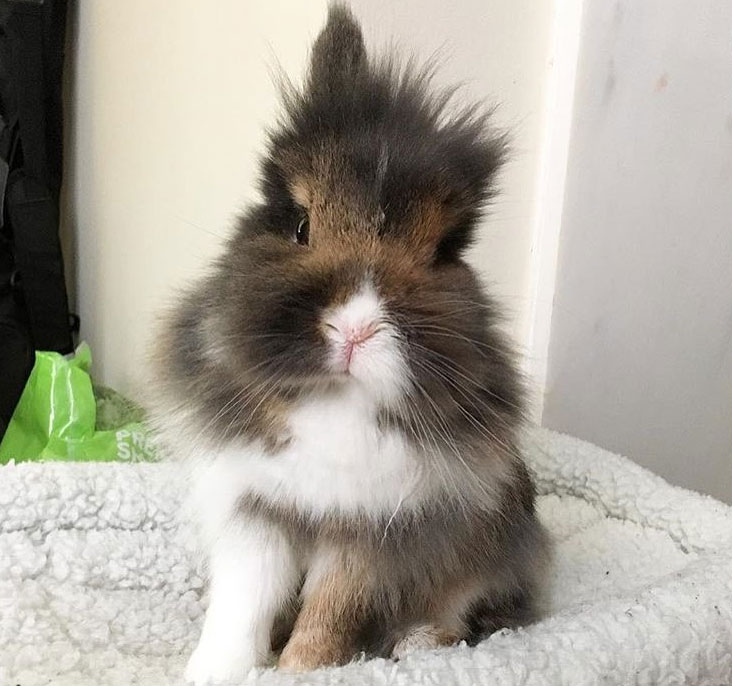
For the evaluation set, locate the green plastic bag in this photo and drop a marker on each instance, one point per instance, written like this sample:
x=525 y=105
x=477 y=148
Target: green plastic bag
x=56 y=417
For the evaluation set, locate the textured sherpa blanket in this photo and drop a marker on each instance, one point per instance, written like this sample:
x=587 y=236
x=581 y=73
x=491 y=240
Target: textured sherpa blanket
x=98 y=585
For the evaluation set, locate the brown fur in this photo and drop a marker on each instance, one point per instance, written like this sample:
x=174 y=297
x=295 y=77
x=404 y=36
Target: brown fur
x=334 y=605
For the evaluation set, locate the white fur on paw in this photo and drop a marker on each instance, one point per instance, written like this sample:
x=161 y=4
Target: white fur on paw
x=218 y=665
x=422 y=637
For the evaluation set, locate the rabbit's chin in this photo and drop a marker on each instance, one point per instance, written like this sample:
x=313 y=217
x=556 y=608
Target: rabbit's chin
x=379 y=377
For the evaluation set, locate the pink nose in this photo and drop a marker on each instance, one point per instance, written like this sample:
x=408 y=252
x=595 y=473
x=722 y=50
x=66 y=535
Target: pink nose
x=354 y=337
x=346 y=337
x=360 y=334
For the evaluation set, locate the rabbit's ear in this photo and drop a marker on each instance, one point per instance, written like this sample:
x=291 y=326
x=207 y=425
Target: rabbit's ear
x=339 y=54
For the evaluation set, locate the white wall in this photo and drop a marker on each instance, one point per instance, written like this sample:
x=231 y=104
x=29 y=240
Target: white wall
x=169 y=100
x=641 y=349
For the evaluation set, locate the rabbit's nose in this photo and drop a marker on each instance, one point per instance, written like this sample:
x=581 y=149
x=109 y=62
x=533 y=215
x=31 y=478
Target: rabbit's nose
x=347 y=340
x=361 y=332
x=349 y=326
x=351 y=334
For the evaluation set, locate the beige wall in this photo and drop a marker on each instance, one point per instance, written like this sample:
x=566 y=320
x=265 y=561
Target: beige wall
x=168 y=104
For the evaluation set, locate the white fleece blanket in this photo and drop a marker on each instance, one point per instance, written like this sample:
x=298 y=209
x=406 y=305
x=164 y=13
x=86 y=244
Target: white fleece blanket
x=98 y=588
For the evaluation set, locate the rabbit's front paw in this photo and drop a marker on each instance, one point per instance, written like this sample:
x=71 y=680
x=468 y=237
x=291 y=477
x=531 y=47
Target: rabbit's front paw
x=217 y=664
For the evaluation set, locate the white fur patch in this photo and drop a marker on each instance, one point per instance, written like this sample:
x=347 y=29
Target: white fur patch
x=338 y=461
x=423 y=637
x=375 y=360
x=253 y=573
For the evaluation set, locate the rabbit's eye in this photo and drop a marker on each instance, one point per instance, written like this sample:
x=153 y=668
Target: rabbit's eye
x=302 y=233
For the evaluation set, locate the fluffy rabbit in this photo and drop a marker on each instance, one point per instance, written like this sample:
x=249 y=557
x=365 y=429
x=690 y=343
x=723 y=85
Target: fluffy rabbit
x=339 y=389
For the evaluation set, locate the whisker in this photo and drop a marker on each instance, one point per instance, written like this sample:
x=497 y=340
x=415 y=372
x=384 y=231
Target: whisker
x=465 y=374
x=435 y=330
x=475 y=476
x=477 y=402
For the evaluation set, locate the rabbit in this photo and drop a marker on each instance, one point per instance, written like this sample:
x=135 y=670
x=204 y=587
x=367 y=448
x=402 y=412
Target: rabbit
x=340 y=392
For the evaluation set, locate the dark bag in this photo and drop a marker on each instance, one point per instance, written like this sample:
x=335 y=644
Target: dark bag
x=34 y=310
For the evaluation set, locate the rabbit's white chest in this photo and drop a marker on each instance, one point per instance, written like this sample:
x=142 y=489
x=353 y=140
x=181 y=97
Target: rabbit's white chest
x=340 y=459
x=337 y=461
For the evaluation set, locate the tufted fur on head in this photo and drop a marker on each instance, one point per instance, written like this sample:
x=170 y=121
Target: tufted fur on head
x=390 y=182
x=339 y=378
x=410 y=164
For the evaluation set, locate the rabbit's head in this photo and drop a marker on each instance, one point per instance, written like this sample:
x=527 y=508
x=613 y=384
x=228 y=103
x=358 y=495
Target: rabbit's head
x=351 y=268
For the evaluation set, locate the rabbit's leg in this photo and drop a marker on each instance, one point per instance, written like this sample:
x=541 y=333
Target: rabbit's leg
x=334 y=599
x=253 y=574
